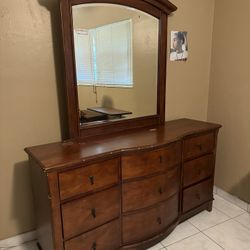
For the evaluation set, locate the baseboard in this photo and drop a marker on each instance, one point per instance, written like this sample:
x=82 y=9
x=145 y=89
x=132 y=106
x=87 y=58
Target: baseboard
x=233 y=199
x=18 y=239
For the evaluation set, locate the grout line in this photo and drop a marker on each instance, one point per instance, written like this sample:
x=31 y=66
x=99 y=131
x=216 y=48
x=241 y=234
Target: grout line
x=201 y=230
x=213 y=241
x=182 y=239
x=241 y=224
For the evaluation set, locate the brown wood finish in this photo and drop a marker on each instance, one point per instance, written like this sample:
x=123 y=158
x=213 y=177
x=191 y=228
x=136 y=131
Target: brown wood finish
x=88 y=178
x=157 y=8
x=196 y=195
x=198 y=169
x=134 y=202
x=150 y=162
x=106 y=237
x=87 y=213
x=142 y=225
x=198 y=145
x=149 y=191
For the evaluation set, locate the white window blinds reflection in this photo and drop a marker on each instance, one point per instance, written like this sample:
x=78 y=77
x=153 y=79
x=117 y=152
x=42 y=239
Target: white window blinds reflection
x=104 y=55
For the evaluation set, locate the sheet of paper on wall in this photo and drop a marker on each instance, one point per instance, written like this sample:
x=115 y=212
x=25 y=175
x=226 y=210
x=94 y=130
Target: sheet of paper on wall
x=179 y=46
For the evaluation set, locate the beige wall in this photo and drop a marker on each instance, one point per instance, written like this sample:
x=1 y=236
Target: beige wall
x=30 y=92
x=141 y=99
x=29 y=105
x=188 y=82
x=230 y=94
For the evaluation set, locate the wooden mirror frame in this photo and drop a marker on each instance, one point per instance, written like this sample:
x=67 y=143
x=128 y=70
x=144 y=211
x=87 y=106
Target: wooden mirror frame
x=157 y=8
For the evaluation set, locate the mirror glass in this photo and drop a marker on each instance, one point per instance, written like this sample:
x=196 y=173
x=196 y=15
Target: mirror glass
x=116 y=57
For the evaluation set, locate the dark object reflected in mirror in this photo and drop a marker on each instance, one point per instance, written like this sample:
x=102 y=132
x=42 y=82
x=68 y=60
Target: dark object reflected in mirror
x=116 y=56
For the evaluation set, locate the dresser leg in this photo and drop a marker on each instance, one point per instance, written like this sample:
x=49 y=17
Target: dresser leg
x=210 y=206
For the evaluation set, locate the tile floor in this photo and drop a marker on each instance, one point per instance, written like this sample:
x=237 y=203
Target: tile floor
x=226 y=227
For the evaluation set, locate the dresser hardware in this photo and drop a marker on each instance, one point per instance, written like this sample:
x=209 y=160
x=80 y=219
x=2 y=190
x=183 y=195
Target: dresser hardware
x=93 y=212
x=198 y=196
x=199 y=146
x=199 y=171
x=91 y=179
x=159 y=220
x=93 y=246
x=160 y=190
x=160 y=159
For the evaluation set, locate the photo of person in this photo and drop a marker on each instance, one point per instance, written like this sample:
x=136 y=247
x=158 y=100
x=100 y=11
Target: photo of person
x=179 y=46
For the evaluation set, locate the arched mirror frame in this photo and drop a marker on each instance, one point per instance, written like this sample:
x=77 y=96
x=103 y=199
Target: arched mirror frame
x=157 y=8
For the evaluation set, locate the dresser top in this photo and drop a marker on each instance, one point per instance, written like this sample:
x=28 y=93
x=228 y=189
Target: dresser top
x=69 y=153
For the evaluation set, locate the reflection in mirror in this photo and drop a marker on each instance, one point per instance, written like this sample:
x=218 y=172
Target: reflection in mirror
x=116 y=55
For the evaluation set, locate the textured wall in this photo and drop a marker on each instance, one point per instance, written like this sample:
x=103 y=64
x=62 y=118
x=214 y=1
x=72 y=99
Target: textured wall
x=30 y=86
x=188 y=82
x=31 y=103
x=230 y=94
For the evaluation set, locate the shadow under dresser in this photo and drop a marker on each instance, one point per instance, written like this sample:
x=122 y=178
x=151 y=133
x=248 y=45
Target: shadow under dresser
x=127 y=190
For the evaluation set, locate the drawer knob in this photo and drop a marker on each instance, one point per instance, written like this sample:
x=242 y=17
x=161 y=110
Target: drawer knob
x=93 y=212
x=159 y=220
x=91 y=179
x=199 y=146
x=160 y=159
x=198 y=196
x=160 y=190
x=93 y=246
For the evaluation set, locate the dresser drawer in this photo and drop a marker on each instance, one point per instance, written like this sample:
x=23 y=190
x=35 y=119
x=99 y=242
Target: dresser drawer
x=198 y=145
x=145 y=224
x=86 y=213
x=145 y=163
x=106 y=237
x=198 y=169
x=88 y=178
x=197 y=194
x=147 y=192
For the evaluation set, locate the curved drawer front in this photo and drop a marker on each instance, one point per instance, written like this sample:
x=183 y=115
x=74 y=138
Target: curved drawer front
x=197 y=194
x=145 y=163
x=86 y=213
x=88 y=178
x=148 y=223
x=146 y=192
x=198 y=145
x=106 y=237
x=198 y=169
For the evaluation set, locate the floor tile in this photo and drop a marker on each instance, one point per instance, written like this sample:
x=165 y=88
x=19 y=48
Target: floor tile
x=28 y=246
x=230 y=235
x=181 y=232
x=205 y=219
x=244 y=219
x=195 y=242
x=157 y=247
x=226 y=207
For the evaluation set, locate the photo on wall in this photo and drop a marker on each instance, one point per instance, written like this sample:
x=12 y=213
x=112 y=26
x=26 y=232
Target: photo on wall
x=179 y=46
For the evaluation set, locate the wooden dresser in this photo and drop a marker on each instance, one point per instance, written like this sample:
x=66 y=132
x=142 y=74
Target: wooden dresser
x=122 y=191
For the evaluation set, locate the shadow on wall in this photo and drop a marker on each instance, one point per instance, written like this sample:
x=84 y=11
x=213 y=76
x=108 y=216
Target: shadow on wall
x=242 y=189
x=107 y=102
x=53 y=7
x=22 y=198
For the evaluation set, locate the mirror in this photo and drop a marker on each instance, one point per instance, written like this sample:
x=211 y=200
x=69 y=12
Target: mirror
x=116 y=62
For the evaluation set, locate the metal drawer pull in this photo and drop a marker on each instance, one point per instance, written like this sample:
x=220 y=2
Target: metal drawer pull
x=199 y=146
x=198 y=196
x=160 y=190
x=159 y=220
x=93 y=212
x=93 y=246
x=160 y=159
x=91 y=179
